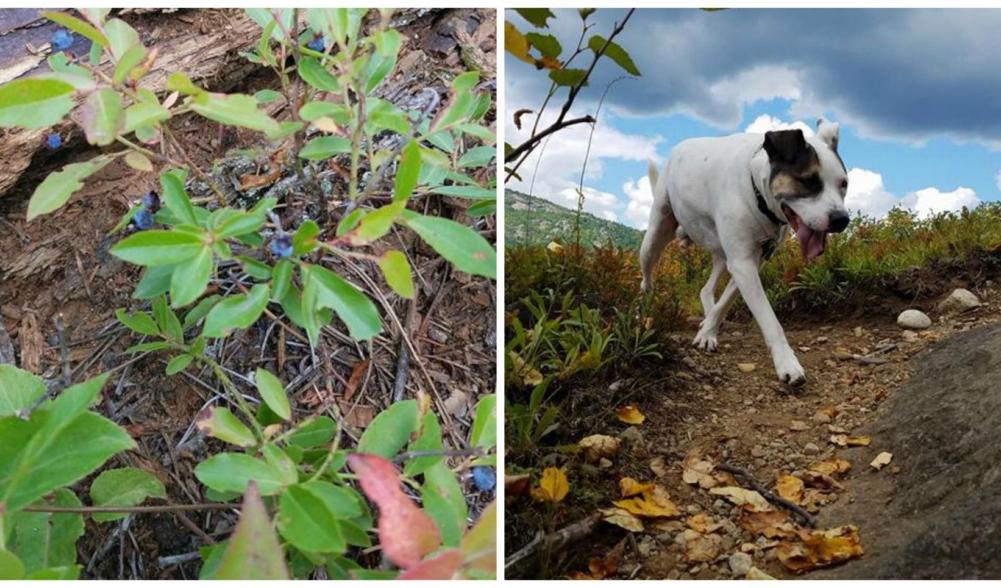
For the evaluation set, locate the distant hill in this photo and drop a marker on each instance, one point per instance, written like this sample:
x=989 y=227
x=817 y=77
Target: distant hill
x=532 y=220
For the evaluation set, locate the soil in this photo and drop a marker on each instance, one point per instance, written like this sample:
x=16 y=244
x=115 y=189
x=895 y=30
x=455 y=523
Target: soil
x=59 y=266
x=929 y=398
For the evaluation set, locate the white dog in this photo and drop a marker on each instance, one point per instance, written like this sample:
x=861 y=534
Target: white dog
x=735 y=196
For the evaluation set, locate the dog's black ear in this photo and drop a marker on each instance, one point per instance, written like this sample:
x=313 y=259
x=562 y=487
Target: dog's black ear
x=787 y=146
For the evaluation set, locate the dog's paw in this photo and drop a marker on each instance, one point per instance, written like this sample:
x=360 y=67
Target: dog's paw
x=705 y=341
x=789 y=371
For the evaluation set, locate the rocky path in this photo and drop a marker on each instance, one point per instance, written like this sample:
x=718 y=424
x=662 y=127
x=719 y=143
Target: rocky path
x=727 y=409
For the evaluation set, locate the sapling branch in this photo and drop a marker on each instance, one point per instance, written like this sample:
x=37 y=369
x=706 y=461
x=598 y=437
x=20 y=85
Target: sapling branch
x=470 y=451
x=132 y=509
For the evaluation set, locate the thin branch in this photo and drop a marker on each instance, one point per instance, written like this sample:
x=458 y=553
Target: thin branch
x=133 y=509
x=471 y=451
x=768 y=495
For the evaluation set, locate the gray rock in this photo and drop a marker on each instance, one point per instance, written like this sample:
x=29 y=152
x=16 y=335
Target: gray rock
x=740 y=564
x=632 y=435
x=913 y=319
x=811 y=449
x=960 y=300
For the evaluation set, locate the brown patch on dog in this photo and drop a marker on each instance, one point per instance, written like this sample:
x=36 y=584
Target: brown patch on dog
x=795 y=165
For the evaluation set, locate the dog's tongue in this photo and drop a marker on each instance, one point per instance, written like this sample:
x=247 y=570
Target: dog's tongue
x=811 y=242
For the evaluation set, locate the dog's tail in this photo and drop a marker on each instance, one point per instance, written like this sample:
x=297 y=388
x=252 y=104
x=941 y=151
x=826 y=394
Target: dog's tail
x=651 y=172
x=660 y=230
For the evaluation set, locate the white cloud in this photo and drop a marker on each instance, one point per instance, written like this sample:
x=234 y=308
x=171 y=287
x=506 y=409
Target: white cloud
x=596 y=202
x=766 y=122
x=640 y=200
x=867 y=194
x=997 y=180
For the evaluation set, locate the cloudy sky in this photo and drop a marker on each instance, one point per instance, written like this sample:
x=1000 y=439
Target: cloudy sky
x=916 y=93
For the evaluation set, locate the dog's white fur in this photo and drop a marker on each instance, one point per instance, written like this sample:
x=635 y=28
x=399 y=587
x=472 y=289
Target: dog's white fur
x=706 y=188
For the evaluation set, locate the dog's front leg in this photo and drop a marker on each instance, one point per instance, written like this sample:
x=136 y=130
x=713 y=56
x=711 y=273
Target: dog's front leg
x=744 y=272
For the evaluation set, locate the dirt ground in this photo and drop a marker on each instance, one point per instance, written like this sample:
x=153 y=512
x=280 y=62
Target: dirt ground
x=59 y=265
x=928 y=397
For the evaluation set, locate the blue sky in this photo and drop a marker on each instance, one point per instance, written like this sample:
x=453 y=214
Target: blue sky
x=915 y=91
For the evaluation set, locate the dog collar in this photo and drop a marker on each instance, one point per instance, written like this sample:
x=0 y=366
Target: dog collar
x=763 y=206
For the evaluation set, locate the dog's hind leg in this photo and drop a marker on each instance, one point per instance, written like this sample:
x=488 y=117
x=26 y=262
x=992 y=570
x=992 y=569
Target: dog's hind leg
x=709 y=329
x=659 y=231
x=708 y=293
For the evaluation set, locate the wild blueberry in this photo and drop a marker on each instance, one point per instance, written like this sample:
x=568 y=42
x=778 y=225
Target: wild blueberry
x=61 y=40
x=53 y=141
x=143 y=219
x=317 y=44
x=485 y=478
x=151 y=201
x=282 y=245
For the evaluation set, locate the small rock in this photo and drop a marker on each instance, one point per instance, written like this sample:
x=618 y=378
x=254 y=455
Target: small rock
x=799 y=426
x=913 y=319
x=821 y=417
x=960 y=300
x=811 y=449
x=693 y=509
x=646 y=546
x=747 y=367
x=616 y=385
x=632 y=435
x=757 y=451
x=909 y=336
x=740 y=564
x=605 y=463
x=858 y=331
x=822 y=340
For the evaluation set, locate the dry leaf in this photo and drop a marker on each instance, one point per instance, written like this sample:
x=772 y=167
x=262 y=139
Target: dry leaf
x=630 y=487
x=741 y=496
x=659 y=467
x=821 y=481
x=862 y=441
x=772 y=524
x=756 y=574
x=831 y=466
x=598 y=446
x=516 y=485
x=790 y=488
x=654 y=503
x=703 y=548
x=621 y=517
x=600 y=568
x=703 y=523
x=630 y=414
x=554 y=247
x=553 y=487
x=881 y=460
x=697 y=471
x=517 y=116
x=819 y=549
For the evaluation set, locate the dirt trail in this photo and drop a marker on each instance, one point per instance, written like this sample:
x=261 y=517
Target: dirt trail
x=708 y=406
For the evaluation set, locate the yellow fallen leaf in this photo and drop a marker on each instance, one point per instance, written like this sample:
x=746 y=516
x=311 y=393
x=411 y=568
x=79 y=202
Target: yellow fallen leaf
x=553 y=487
x=630 y=414
x=697 y=471
x=819 y=549
x=741 y=496
x=703 y=523
x=832 y=466
x=630 y=487
x=596 y=447
x=554 y=247
x=881 y=460
x=790 y=488
x=653 y=503
x=858 y=441
x=772 y=524
x=659 y=467
x=528 y=374
x=703 y=548
x=814 y=479
x=621 y=517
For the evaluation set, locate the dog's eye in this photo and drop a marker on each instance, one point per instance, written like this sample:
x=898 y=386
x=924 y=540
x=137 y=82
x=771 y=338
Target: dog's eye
x=844 y=184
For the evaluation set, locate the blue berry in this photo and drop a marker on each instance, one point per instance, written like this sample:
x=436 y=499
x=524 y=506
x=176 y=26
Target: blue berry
x=143 y=219
x=282 y=245
x=61 y=40
x=151 y=201
x=317 y=44
x=53 y=141
x=485 y=478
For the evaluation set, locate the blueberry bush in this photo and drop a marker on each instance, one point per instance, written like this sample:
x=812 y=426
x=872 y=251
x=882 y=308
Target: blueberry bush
x=307 y=501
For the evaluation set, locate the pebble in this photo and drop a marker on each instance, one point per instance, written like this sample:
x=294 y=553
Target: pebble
x=858 y=331
x=799 y=426
x=632 y=435
x=740 y=564
x=821 y=417
x=616 y=385
x=811 y=449
x=960 y=300
x=747 y=367
x=909 y=336
x=913 y=319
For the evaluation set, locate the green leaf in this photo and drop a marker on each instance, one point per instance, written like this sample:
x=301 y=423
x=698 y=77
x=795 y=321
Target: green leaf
x=236 y=312
x=408 y=171
x=428 y=440
x=175 y=198
x=253 y=552
x=140 y=322
x=57 y=187
x=19 y=389
x=129 y=61
x=304 y=239
x=58 y=573
x=314 y=74
x=462 y=100
x=169 y=324
x=281 y=278
x=235 y=109
x=305 y=521
x=314 y=433
x=614 y=52
x=381 y=63
x=124 y=487
x=190 y=279
x=482 y=208
x=484 y=431
x=568 y=77
x=390 y=430
x=536 y=16
x=396 y=269
x=548 y=45
x=143 y=114
x=444 y=502
x=352 y=306
x=319 y=109
x=77 y=26
x=376 y=223
x=200 y=310
x=219 y=422
x=325 y=148
x=473 y=192
x=11 y=567
x=254 y=268
x=45 y=540
x=34 y=103
x=138 y=161
x=155 y=281
x=153 y=248
x=121 y=37
x=273 y=393
x=465 y=248
x=231 y=472
x=265 y=96
x=478 y=156
x=177 y=365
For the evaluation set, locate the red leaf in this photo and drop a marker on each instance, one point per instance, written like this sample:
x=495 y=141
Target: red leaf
x=442 y=567
x=406 y=533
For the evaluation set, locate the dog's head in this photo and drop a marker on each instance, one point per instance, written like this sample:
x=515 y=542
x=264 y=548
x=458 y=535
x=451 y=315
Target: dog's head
x=809 y=181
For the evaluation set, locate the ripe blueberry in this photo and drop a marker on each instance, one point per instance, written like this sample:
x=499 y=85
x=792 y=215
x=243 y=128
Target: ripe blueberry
x=484 y=478
x=143 y=219
x=61 y=40
x=317 y=44
x=151 y=201
x=53 y=141
x=282 y=245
